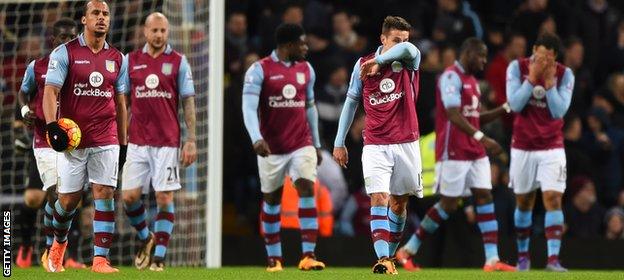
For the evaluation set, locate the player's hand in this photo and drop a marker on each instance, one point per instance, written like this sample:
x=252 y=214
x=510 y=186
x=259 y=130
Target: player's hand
x=341 y=156
x=491 y=146
x=29 y=118
x=536 y=68
x=189 y=153
x=319 y=156
x=549 y=74
x=261 y=148
x=368 y=68
x=123 y=151
x=58 y=138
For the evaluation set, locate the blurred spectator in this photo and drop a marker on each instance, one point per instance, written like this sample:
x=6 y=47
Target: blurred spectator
x=578 y=162
x=330 y=175
x=604 y=144
x=529 y=19
x=355 y=215
x=430 y=68
x=583 y=215
x=583 y=84
x=615 y=95
x=596 y=25
x=496 y=72
x=614 y=221
x=351 y=43
x=452 y=25
x=293 y=14
x=236 y=42
x=329 y=102
x=613 y=60
x=449 y=55
x=355 y=143
x=323 y=56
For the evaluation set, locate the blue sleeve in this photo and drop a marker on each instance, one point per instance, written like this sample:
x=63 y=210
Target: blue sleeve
x=58 y=66
x=121 y=84
x=310 y=88
x=250 y=116
x=346 y=118
x=559 y=98
x=253 y=79
x=185 y=79
x=405 y=52
x=355 y=85
x=28 y=82
x=518 y=94
x=312 y=115
x=450 y=89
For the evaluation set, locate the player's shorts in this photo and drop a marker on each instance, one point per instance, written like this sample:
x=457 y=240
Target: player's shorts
x=299 y=164
x=530 y=170
x=145 y=164
x=97 y=165
x=46 y=165
x=394 y=168
x=455 y=178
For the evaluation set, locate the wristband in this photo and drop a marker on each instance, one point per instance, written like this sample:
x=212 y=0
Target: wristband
x=507 y=107
x=478 y=135
x=25 y=111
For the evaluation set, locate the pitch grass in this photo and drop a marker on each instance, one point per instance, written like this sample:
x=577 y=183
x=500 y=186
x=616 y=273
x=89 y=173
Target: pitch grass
x=258 y=273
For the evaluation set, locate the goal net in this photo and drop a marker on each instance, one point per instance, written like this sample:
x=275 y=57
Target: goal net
x=25 y=28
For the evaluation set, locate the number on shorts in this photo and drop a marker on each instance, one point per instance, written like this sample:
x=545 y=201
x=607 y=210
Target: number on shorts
x=563 y=173
x=173 y=174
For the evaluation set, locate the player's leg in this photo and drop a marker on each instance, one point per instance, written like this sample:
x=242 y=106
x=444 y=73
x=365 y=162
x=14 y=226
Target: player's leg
x=397 y=214
x=377 y=164
x=522 y=175
x=47 y=176
x=33 y=199
x=302 y=169
x=135 y=175
x=552 y=177
x=102 y=170
x=72 y=175
x=272 y=170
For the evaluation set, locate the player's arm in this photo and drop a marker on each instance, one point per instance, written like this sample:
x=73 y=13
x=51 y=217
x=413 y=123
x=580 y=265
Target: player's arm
x=450 y=89
x=55 y=78
x=518 y=93
x=349 y=108
x=186 y=90
x=312 y=115
x=254 y=77
x=121 y=88
x=488 y=116
x=405 y=52
x=26 y=89
x=559 y=98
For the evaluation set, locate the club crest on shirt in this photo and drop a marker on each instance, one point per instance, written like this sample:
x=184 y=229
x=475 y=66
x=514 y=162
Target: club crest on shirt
x=300 y=78
x=386 y=85
x=110 y=66
x=151 y=81
x=396 y=67
x=166 y=68
x=289 y=91
x=539 y=92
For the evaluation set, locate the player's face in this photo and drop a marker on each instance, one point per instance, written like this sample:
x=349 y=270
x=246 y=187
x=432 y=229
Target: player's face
x=97 y=18
x=156 y=33
x=298 y=50
x=541 y=51
x=393 y=37
x=478 y=59
x=65 y=34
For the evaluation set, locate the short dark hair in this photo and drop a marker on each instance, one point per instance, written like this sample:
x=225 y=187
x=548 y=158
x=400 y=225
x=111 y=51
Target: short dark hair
x=288 y=33
x=471 y=44
x=550 y=42
x=395 y=22
x=63 y=23
x=86 y=5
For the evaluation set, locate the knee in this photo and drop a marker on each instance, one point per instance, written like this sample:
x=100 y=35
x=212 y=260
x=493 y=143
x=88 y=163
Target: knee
x=305 y=188
x=102 y=192
x=552 y=201
x=379 y=199
x=482 y=197
x=51 y=195
x=164 y=198
x=33 y=198
x=398 y=205
x=130 y=197
x=273 y=198
x=449 y=204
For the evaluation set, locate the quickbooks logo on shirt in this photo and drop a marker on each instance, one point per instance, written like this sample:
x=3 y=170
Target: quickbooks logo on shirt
x=82 y=89
x=376 y=99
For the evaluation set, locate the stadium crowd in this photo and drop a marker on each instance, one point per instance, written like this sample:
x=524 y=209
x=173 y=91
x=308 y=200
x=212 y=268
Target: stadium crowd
x=338 y=32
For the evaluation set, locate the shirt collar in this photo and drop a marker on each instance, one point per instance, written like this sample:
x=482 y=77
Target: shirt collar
x=276 y=59
x=168 y=49
x=460 y=67
x=378 y=52
x=83 y=43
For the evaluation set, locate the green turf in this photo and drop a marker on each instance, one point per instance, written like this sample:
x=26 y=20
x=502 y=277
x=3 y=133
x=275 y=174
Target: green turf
x=257 y=273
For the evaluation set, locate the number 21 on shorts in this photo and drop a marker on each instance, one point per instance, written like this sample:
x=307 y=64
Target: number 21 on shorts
x=172 y=175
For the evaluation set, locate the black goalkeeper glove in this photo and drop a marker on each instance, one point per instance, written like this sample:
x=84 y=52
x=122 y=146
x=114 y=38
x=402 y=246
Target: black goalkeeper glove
x=57 y=137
